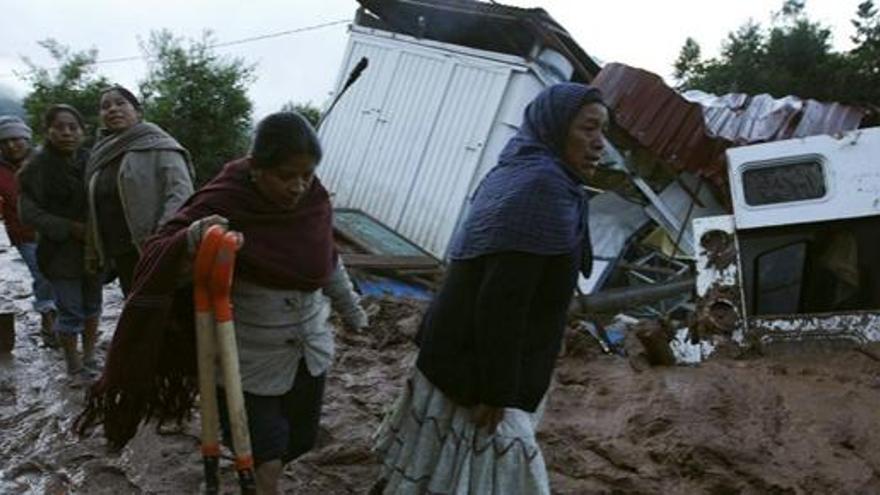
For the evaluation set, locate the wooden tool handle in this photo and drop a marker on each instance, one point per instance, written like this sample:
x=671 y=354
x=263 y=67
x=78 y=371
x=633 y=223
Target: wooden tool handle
x=207 y=356
x=221 y=287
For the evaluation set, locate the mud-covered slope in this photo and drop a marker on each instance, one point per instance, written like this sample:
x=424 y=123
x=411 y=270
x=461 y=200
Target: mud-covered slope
x=794 y=424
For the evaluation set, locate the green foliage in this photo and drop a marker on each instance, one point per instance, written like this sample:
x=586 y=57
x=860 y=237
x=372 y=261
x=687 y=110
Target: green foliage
x=792 y=8
x=743 y=51
x=308 y=110
x=792 y=56
x=688 y=64
x=200 y=98
x=74 y=82
x=865 y=57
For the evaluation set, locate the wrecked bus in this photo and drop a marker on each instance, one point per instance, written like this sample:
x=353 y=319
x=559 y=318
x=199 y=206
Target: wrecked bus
x=799 y=258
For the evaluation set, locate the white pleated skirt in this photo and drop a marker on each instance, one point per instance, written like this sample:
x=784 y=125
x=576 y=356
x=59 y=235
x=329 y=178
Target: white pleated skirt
x=430 y=445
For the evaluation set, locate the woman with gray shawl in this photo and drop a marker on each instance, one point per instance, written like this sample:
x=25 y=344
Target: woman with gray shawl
x=465 y=422
x=137 y=178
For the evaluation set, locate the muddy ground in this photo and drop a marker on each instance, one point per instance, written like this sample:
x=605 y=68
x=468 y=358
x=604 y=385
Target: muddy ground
x=773 y=425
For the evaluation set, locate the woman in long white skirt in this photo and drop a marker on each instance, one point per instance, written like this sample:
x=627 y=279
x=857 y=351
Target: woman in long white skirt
x=465 y=423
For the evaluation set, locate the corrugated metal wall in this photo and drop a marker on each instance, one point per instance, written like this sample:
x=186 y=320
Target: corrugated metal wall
x=450 y=161
x=406 y=142
x=347 y=130
x=401 y=131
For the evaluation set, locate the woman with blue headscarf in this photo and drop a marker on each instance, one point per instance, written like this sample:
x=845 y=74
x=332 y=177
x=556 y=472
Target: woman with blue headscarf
x=466 y=420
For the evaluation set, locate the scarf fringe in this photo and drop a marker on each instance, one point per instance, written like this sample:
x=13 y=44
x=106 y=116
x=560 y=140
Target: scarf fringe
x=121 y=411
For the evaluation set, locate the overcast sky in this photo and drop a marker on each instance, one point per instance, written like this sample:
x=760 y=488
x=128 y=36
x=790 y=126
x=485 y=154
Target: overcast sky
x=303 y=66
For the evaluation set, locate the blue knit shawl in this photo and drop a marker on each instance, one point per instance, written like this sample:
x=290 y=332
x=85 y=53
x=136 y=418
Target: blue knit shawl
x=530 y=202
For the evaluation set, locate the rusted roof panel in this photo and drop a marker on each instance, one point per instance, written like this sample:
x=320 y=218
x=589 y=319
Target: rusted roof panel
x=691 y=131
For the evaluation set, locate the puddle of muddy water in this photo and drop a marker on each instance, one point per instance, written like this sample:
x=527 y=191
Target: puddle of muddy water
x=38 y=454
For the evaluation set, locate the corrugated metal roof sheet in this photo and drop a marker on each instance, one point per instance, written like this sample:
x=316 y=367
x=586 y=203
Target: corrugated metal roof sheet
x=692 y=130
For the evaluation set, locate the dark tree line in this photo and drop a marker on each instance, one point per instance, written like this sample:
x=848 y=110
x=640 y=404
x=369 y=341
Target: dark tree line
x=199 y=97
x=793 y=56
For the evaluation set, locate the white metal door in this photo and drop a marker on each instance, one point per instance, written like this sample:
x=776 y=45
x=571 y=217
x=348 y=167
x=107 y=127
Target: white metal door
x=451 y=159
x=347 y=131
x=402 y=127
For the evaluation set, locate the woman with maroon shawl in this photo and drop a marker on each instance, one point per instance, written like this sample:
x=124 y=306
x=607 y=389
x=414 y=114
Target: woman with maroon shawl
x=285 y=268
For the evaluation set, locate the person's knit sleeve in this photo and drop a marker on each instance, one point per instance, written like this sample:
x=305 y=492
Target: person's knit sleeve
x=344 y=299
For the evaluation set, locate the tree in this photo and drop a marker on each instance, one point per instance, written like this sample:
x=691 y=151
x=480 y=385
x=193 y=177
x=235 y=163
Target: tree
x=799 y=59
x=867 y=24
x=792 y=56
x=688 y=64
x=307 y=110
x=743 y=52
x=737 y=70
x=73 y=82
x=792 y=9
x=199 y=97
x=865 y=56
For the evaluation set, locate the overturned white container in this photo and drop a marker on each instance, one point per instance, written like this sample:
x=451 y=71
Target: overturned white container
x=410 y=141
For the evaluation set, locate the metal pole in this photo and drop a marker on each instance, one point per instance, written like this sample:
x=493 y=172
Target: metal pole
x=352 y=77
x=629 y=297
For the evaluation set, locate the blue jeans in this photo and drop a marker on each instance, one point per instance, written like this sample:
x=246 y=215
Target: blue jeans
x=78 y=299
x=42 y=289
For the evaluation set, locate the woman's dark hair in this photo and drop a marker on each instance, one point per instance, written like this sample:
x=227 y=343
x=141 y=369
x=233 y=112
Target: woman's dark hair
x=54 y=110
x=281 y=135
x=128 y=95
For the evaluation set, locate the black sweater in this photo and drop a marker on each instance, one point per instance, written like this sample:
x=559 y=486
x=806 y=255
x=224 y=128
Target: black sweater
x=53 y=197
x=493 y=332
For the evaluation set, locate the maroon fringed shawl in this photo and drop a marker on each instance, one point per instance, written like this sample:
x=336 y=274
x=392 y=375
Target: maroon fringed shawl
x=151 y=366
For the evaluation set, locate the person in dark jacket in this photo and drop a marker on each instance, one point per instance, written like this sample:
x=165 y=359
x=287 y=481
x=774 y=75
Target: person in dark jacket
x=53 y=201
x=16 y=149
x=488 y=343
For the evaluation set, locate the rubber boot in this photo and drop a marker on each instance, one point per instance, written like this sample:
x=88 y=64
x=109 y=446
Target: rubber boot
x=78 y=376
x=267 y=476
x=71 y=356
x=89 y=340
x=47 y=330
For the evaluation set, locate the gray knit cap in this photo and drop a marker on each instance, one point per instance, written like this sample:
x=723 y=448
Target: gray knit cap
x=13 y=127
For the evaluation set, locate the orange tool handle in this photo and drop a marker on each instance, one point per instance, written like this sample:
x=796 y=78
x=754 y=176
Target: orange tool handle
x=221 y=277
x=203 y=266
x=221 y=288
x=207 y=352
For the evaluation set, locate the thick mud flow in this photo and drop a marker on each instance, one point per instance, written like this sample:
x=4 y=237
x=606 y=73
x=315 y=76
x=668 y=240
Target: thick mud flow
x=791 y=424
